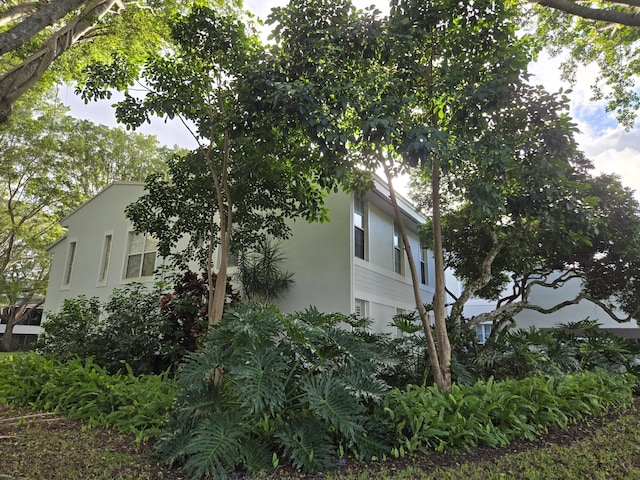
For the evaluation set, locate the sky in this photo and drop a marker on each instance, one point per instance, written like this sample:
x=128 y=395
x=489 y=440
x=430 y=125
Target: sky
x=607 y=144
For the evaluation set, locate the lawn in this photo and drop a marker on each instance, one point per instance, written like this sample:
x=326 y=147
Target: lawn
x=45 y=446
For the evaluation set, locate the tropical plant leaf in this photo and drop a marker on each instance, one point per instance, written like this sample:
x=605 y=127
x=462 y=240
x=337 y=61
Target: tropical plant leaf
x=307 y=445
x=260 y=381
x=328 y=398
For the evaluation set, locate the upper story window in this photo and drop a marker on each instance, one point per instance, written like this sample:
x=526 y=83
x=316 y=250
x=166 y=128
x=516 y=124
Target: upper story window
x=68 y=269
x=141 y=256
x=103 y=271
x=424 y=267
x=398 y=261
x=358 y=228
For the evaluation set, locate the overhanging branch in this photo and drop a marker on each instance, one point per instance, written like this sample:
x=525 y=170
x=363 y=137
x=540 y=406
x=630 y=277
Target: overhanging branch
x=602 y=15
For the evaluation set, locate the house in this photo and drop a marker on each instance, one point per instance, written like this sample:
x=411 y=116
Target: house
x=353 y=264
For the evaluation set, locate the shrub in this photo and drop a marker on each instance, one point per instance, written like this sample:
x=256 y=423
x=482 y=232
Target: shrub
x=82 y=390
x=268 y=386
x=147 y=329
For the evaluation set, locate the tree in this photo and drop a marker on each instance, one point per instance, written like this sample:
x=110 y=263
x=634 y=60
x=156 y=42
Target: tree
x=606 y=34
x=544 y=248
x=52 y=163
x=48 y=41
x=247 y=177
x=412 y=90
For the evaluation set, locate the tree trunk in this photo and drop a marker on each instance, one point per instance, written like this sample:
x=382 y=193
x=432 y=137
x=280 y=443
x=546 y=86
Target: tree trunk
x=46 y=14
x=415 y=281
x=17 y=81
x=14 y=315
x=439 y=297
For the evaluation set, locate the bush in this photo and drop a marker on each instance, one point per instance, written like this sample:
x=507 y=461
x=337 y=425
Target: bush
x=268 y=386
x=82 y=390
x=147 y=329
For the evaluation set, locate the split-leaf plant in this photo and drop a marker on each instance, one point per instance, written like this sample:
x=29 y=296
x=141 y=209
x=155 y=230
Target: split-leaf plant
x=269 y=386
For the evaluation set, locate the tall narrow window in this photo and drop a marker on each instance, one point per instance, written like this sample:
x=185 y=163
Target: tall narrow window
x=358 y=227
x=141 y=256
x=424 y=269
x=483 y=332
x=104 y=259
x=398 y=261
x=68 y=269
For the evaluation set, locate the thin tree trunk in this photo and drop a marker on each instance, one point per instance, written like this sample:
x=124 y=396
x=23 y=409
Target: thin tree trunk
x=415 y=279
x=439 y=297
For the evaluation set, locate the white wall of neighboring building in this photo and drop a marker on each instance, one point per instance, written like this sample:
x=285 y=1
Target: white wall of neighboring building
x=549 y=297
x=88 y=226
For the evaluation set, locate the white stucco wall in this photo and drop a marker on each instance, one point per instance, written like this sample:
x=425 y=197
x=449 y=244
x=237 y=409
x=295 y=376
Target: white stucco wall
x=87 y=226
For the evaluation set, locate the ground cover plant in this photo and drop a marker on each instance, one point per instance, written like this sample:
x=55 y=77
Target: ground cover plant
x=82 y=390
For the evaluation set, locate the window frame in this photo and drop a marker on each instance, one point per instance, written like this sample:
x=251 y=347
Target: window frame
x=132 y=234
x=67 y=274
x=359 y=228
x=105 y=259
x=398 y=247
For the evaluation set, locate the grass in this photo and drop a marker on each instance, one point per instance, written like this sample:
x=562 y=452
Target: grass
x=49 y=447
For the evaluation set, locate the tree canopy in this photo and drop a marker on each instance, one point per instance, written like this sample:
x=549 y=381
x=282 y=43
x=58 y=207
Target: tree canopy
x=64 y=40
x=247 y=176
x=603 y=33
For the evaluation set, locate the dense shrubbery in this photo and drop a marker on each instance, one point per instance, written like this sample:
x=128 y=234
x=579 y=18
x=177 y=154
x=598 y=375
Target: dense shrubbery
x=308 y=388
x=268 y=386
x=82 y=390
x=511 y=354
x=147 y=329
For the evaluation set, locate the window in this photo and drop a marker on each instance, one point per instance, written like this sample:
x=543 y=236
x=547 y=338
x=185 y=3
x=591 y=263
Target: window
x=68 y=269
x=398 y=261
x=358 y=227
x=361 y=308
x=141 y=256
x=104 y=259
x=483 y=331
x=424 y=269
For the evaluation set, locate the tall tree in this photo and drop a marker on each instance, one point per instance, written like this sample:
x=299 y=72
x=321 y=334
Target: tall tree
x=247 y=177
x=409 y=90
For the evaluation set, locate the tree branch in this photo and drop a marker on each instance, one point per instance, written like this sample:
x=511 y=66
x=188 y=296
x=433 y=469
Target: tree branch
x=609 y=16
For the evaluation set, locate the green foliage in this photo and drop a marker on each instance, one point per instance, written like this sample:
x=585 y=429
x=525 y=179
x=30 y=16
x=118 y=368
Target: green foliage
x=494 y=413
x=259 y=272
x=147 y=329
x=271 y=386
x=83 y=390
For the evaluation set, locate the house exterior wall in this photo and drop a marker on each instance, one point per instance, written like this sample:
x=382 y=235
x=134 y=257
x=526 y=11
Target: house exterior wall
x=327 y=273
x=87 y=226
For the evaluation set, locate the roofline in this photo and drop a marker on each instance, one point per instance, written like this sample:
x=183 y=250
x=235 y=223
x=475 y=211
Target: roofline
x=74 y=211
